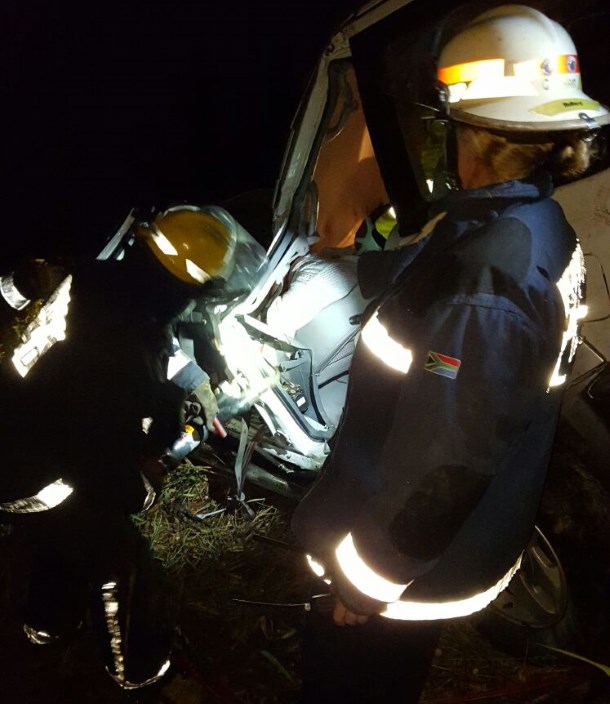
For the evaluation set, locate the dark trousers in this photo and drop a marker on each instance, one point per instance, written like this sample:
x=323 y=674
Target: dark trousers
x=380 y=662
x=88 y=560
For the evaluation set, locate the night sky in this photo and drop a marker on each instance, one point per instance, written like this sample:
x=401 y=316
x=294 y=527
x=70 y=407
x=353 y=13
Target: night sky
x=109 y=105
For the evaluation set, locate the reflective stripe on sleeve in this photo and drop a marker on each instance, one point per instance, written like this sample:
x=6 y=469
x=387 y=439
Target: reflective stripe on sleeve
x=372 y=584
x=378 y=341
x=176 y=363
x=405 y=610
x=11 y=294
x=570 y=286
x=47 y=498
x=315 y=566
x=45 y=330
x=365 y=579
x=183 y=371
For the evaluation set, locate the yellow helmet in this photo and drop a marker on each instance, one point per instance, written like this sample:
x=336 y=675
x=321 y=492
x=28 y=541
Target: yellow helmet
x=193 y=244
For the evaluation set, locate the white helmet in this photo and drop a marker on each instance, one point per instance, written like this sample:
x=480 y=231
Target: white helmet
x=512 y=68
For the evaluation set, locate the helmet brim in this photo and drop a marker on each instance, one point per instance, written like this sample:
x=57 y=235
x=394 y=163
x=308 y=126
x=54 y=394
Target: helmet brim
x=530 y=113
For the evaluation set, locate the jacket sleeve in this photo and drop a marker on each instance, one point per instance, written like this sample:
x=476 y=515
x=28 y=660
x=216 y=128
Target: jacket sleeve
x=476 y=374
x=183 y=371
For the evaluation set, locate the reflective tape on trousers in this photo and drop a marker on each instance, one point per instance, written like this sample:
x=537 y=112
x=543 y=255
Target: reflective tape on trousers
x=110 y=601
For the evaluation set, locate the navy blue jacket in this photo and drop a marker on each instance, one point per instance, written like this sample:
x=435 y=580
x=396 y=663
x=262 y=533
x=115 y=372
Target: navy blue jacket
x=437 y=473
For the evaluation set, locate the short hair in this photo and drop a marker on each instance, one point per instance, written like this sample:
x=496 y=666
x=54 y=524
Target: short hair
x=518 y=155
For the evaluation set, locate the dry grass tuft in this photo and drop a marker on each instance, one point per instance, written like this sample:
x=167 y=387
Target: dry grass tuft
x=249 y=650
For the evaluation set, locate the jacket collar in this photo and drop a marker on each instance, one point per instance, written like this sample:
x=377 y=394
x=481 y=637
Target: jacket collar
x=497 y=196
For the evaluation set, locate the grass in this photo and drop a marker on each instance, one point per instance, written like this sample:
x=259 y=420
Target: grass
x=12 y=333
x=250 y=653
x=245 y=653
x=241 y=653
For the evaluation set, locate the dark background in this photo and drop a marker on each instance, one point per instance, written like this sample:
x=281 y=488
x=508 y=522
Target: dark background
x=109 y=105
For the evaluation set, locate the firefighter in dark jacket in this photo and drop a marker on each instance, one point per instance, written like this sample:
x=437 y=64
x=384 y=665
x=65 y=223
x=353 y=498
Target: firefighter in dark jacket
x=430 y=493
x=95 y=385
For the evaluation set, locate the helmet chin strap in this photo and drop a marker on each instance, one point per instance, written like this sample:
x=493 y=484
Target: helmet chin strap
x=451 y=157
x=591 y=126
x=452 y=177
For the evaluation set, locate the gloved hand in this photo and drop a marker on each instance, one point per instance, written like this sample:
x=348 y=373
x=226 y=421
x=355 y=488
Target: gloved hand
x=205 y=396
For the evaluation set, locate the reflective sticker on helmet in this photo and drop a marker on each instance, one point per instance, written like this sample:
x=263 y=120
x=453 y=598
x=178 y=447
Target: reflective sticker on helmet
x=443 y=365
x=471 y=71
x=496 y=68
x=565 y=63
x=556 y=107
x=568 y=64
x=496 y=78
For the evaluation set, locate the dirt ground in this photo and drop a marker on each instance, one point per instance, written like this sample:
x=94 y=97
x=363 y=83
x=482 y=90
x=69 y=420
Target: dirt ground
x=231 y=652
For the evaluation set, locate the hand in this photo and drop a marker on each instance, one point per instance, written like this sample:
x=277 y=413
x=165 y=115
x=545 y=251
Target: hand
x=359 y=606
x=205 y=396
x=343 y=616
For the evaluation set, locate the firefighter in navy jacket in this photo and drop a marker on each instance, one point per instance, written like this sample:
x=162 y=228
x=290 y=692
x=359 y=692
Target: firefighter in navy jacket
x=453 y=399
x=429 y=495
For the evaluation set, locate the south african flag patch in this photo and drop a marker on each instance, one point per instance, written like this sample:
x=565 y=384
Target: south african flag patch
x=441 y=364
